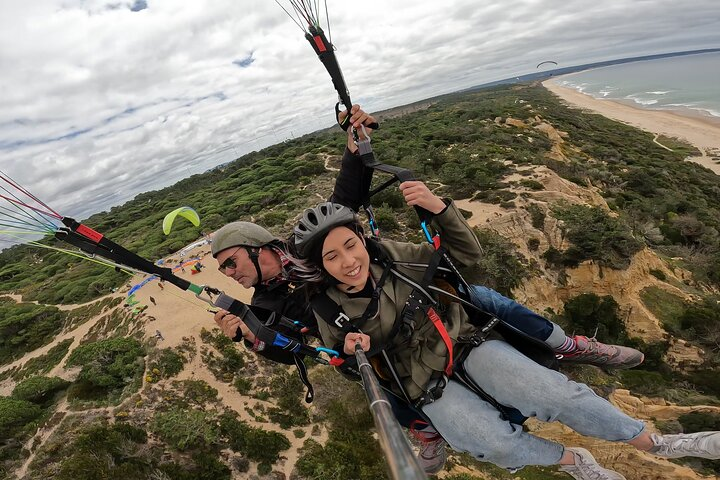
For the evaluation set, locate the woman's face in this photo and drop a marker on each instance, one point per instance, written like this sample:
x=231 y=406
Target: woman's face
x=345 y=258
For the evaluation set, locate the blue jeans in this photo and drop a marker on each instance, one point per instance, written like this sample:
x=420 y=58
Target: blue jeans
x=470 y=424
x=510 y=312
x=517 y=315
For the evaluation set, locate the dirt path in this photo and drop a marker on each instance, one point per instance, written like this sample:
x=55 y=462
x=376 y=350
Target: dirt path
x=76 y=334
x=655 y=139
x=19 y=299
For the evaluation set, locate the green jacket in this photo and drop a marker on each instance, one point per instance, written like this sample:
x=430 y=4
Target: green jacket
x=425 y=355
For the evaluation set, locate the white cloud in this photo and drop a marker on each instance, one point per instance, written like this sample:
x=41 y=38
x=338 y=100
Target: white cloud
x=100 y=103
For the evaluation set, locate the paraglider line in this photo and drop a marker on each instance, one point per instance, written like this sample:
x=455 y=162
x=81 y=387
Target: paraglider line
x=21 y=221
x=18 y=202
x=12 y=182
x=29 y=215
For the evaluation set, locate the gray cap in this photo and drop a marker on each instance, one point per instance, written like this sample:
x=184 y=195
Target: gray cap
x=240 y=234
x=316 y=222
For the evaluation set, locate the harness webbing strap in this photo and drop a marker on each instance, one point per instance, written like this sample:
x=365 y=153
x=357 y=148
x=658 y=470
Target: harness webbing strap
x=302 y=373
x=437 y=321
x=262 y=332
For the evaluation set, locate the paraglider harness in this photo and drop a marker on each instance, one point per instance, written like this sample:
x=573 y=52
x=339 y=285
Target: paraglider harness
x=422 y=299
x=439 y=269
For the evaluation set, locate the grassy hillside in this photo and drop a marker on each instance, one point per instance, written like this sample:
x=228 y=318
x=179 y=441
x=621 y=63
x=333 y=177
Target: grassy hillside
x=465 y=146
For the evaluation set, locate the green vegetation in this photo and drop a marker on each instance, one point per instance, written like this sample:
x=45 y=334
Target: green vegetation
x=115 y=323
x=81 y=315
x=110 y=369
x=499 y=266
x=39 y=390
x=668 y=308
x=25 y=327
x=166 y=363
x=537 y=216
x=350 y=452
x=126 y=455
x=701 y=323
x=288 y=412
x=595 y=235
x=15 y=414
x=256 y=444
x=186 y=429
x=464 y=145
x=44 y=363
x=497 y=473
x=231 y=360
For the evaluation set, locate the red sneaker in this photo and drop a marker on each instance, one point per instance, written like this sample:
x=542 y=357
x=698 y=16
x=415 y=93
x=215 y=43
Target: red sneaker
x=592 y=352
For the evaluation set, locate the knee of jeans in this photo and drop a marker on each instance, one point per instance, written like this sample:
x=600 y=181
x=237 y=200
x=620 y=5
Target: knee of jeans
x=483 y=296
x=506 y=451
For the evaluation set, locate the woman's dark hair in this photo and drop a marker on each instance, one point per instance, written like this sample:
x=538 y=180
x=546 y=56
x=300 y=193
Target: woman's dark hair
x=310 y=269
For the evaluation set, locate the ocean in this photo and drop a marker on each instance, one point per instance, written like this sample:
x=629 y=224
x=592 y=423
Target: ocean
x=672 y=83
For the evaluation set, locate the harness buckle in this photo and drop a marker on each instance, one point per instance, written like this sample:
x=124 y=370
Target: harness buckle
x=341 y=319
x=433 y=393
x=474 y=340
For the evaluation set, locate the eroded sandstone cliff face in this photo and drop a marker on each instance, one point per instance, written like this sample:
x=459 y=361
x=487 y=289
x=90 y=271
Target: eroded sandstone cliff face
x=547 y=290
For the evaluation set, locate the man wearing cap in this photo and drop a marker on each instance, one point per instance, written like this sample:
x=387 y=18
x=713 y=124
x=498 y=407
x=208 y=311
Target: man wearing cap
x=254 y=257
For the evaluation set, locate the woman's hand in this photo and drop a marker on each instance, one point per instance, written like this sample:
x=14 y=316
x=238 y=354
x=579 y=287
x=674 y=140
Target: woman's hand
x=417 y=194
x=357 y=118
x=352 y=338
x=230 y=323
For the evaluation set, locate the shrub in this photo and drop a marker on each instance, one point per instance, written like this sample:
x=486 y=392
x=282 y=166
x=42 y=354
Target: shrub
x=701 y=322
x=44 y=363
x=386 y=218
x=185 y=429
x=589 y=312
x=499 y=266
x=108 y=366
x=699 y=422
x=15 y=414
x=537 y=216
x=256 y=444
x=242 y=385
x=350 y=452
x=595 y=235
x=659 y=274
x=25 y=327
x=39 y=390
x=668 y=308
x=169 y=363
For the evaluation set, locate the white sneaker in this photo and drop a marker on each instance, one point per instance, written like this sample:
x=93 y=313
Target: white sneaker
x=587 y=468
x=701 y=444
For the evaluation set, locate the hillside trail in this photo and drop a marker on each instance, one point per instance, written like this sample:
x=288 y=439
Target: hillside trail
x=65 y=307
x=77 y=334
x=176 y=315
x=46 y=431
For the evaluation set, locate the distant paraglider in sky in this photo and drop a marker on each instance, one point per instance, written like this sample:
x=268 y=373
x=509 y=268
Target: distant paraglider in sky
x=185 y=212
x=547 y=61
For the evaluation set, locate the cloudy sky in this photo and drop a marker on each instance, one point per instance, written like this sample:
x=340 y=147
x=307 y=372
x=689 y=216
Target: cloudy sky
x=103 y=99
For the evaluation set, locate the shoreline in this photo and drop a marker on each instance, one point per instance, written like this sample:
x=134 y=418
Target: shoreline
x=694 y=128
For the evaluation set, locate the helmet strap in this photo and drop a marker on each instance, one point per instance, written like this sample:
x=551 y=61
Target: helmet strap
x=254 y=255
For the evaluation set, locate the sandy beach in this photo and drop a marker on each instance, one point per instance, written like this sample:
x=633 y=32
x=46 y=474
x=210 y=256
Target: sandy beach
x=699 y=131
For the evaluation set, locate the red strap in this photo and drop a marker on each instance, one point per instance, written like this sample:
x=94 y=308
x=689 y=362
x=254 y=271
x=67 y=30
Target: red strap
x=89 y=233
x=437 y=321
x=436 y=242
x=336 y=361
x=320 y=45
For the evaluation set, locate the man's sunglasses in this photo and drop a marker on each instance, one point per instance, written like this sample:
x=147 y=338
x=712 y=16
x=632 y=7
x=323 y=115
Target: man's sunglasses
x=229 y=262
